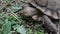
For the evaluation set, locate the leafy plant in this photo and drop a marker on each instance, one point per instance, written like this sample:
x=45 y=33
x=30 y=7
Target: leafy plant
x=10 y=22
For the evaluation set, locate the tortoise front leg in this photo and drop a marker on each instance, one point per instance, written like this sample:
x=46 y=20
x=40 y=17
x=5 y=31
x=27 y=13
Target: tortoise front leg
x=50 y=25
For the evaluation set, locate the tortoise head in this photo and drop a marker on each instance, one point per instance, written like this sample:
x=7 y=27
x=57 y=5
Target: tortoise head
x=28 y=11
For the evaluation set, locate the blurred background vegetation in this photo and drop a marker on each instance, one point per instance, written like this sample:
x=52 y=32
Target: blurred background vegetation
x=12 y=23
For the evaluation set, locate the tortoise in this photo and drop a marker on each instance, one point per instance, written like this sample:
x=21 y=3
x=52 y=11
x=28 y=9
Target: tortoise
x=46 y=8
x=50 y=8
x=32 y=12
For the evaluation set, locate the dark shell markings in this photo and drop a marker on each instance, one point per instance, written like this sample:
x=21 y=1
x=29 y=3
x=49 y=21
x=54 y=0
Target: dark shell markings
x=48 y=7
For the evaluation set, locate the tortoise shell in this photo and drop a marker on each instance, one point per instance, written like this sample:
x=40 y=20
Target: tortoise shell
x=48 y=7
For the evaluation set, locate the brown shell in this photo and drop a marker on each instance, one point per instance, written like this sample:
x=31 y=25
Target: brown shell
x=52 y=8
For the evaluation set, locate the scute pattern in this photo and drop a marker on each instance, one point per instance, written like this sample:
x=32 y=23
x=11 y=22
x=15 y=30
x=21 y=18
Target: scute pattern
x=51 y=9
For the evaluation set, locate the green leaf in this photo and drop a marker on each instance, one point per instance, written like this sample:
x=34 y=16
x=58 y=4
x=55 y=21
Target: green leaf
x=6 y=27
x=6 y=1
x=2 y=14
x=30 y=31
x=1 y=21
x=37 y=32
x=16 y=8
x=21 y=30
x=14 y=22
x=15 y=26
